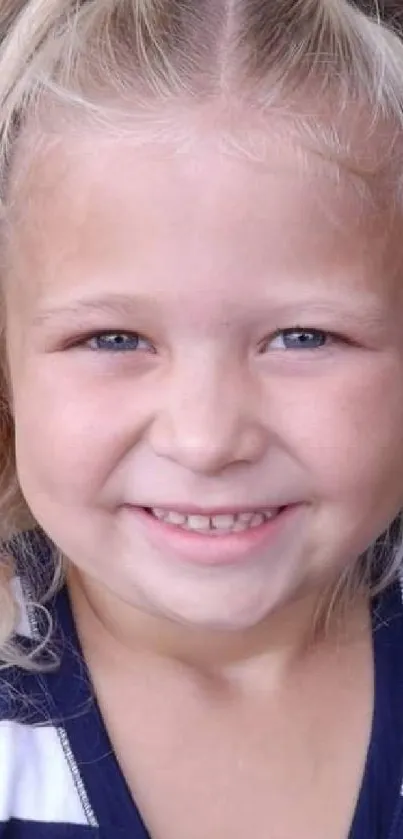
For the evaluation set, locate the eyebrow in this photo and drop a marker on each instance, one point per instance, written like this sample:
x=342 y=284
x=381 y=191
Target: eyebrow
x=359 y=309
x=117 y=304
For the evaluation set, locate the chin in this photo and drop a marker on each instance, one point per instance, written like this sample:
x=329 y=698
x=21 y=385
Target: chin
x=239 y=618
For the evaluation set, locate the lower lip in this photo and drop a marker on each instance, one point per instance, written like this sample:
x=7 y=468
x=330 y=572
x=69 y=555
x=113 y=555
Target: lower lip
x=202 y=549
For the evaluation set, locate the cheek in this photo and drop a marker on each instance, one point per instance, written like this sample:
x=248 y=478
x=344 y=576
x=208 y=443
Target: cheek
x=345 y=430
x=349 y=434
x=72 y=433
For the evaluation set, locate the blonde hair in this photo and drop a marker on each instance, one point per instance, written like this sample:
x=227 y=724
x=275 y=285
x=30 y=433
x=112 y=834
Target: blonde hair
x=314 y=60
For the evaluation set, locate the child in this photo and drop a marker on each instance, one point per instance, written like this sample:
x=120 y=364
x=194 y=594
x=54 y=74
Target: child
x=201 y=627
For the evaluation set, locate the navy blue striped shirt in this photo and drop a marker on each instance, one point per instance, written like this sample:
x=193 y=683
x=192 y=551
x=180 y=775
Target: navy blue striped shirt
x=59 y=777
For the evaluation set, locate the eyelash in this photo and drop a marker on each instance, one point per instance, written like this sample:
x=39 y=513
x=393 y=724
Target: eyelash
x=330 y=338
x=120 y=347
x=115 y=348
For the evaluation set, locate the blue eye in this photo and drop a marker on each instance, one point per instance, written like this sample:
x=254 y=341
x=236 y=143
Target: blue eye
x=118 y=342
x=297 y=338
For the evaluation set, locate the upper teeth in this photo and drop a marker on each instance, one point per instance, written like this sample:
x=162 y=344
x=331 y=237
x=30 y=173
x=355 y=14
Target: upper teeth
x=214 y=524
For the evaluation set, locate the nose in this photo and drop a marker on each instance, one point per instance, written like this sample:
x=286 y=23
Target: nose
x=207 y=420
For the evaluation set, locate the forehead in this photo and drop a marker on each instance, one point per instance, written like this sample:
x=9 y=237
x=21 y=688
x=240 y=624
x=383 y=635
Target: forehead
x=91 y=207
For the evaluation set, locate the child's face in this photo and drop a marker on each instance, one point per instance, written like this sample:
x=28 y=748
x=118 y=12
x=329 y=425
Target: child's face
x=214 y=409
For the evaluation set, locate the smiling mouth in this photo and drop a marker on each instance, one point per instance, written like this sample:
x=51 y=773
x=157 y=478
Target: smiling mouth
x=220 y=524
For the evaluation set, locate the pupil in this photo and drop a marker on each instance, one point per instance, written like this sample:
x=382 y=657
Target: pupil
x=305 y=338
x=117 y=341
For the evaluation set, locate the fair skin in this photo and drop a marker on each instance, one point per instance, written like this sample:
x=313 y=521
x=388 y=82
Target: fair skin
x=209 y=258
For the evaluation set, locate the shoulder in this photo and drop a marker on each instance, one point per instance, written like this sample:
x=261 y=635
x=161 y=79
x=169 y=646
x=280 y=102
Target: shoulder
x=37 y=785
x=387 y=633
x=39 y=792
x=39 y=797
x=387 y=615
